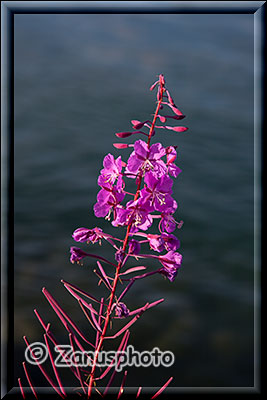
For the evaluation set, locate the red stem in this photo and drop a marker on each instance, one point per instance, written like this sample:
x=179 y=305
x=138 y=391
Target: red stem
x=102 y=337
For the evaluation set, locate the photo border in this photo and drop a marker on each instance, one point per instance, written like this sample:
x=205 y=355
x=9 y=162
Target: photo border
x=8 y=10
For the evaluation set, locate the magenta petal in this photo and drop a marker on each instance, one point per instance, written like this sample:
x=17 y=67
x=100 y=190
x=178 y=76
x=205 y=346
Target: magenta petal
x=157 y=151
x=146 y=224
x=101 y=210
x=159 y=169
x=108 y=161
x=103 y=196
x=174 y=170
x=150 y=180
x=165 y=184
x=141 y=149
x=133 y=164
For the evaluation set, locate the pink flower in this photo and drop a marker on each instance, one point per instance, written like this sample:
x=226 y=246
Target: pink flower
x=136 y=213
x=162 y=242
x=173 y=170
x=145 y=158
x=157 y=192
x=111 y=171
x=87 y=235
x=171 y=263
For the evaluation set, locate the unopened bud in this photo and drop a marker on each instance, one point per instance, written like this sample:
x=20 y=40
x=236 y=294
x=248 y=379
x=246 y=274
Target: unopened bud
x=120 y=145
x=123 y=134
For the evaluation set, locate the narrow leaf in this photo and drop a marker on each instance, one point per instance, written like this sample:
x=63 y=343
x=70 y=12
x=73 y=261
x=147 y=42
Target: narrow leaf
x=117 y=366
x=21 y=388
x=134 y=269
x=155 y=303
x=122 y=385
x=162 y=388
x=127 y=326
x=52 y=384
x=77 y=367
x=122 y=344
x=99 y=321
x=65 y=283
x=104 y=274
x=138 y=392
x=55 y=306
x=29 y=380
x=53 y=366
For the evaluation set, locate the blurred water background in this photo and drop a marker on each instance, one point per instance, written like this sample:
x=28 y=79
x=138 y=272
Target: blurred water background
x=79 y=79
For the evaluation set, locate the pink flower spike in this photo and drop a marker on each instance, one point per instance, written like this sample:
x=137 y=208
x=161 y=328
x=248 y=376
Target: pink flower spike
x=162 y=388
x=177 y=128
x=120 y=145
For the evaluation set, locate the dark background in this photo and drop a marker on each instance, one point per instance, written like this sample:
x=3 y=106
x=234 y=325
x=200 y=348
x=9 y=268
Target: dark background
x=79 y=79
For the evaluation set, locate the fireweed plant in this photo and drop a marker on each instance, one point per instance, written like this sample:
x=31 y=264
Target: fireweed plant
x=152 y=166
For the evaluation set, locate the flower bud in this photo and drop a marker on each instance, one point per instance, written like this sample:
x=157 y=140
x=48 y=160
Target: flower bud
x=120 y=145
x=177 y=128
x=123 y=134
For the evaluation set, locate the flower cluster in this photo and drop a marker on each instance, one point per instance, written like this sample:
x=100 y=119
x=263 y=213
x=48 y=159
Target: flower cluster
x=155 y=166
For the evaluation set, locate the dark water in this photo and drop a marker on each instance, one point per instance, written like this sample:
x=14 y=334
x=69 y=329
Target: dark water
x=79 y=79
